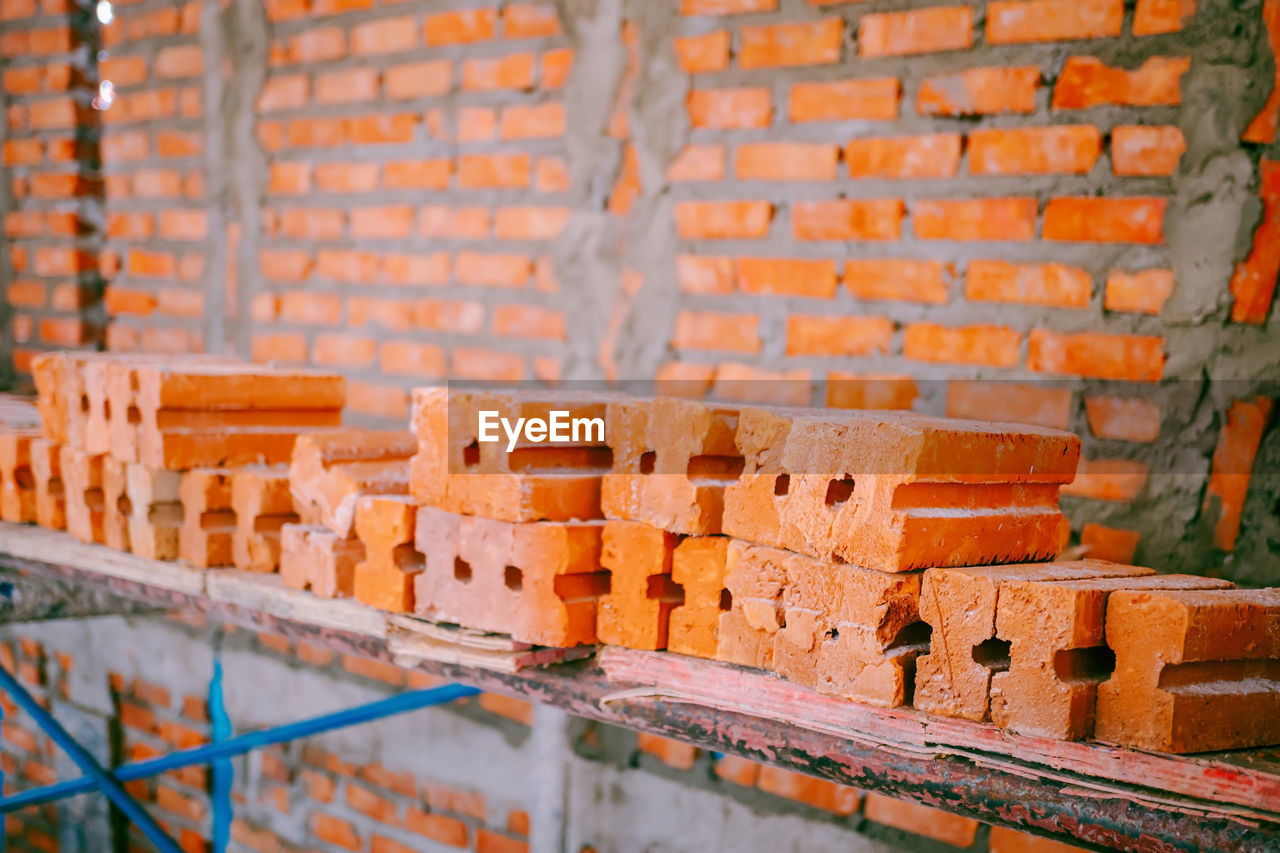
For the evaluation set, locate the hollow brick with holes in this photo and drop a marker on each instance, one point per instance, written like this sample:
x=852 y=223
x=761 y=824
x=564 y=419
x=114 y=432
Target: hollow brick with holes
x=208 y=521
x=539 y=581
x=330 y=471
x=314 y=557
x=698 y=566
x=455 y=471
x=844 y=630
x=17 y=482
x=1196 y=670
x=672 y=459
x=262 y=504
x=385 y=577
x=1057 y=656
x=153 y=511
x=896 y=491
x=636 y=611
x=46 y=471
x=82 y=483
x=960 y=605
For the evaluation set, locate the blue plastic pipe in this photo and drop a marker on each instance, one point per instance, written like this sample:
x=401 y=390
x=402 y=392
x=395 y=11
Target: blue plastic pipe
x=221 y=770
x=94 y=774
x=240 y=744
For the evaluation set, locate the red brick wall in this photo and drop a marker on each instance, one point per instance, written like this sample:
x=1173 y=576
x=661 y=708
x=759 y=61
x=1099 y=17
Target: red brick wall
x=1001 y=193
x=50 y=194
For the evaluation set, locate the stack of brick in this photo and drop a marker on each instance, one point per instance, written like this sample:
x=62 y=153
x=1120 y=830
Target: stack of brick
x=140 y=452
x=510 y=535
x=329 y=475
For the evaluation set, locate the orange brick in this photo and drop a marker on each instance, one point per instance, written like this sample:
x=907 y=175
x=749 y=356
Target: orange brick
x=1153 y=17
x=699 y=163
x=995 y=346
x=82 y=481
x=1144 y=150
x=538 y=582
x=713 y=330
x=441 y=828
x=1057 y=654
x=1123 y=418
x=386 y=35
x=933 y=156
x=1004 y=840
x=851 y=219
x=314 y=557
x=730 y=109
x=1103 y=356
x=978 y=91
x=1034 y=284
x=418 y=79
x=1010 y=402
x=723 y=220
x=1202 y=643
x=785 y=616
x=1086 y=82
x=921 y=820
x=514 y=71
x=725 y=7
x=1233 y=460
x=1107 y=543
x=845 y=99
x=462 y=27
x=1144 y=291
x=1105 y=220
x=919 y=31
x=636 y=610
x=787 y=277
x=385 y=578
x=46 y=469
x=1253 y=284
x=208 y=526
x=17 y=487
x=961 y=605
x=830 y=515
x=1013 y=21
x=913 y=281
x=777 y=45
x=786 y=161
x=262 y=505
x=1036 y=150
x=672 y=460
x=851 y=391
x=838 y=336
x=673 y=753
x=529 y=21
x=819 y=793
x=1004 y=219
x=1108 y=480
x=703 y=53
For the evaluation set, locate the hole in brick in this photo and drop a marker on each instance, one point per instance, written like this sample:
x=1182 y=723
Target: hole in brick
x=271 y=524
x=647 y=461
x=833 y=635
x=716 y=467
x=782 y=485
x=95 y=500
x=993 y=654
x=913 y=637
x=471 y=454
x=1095 y=663
x=513 y=578
x=408 y=559
x=84 y=402
x=134 y=415
x=461 y=570
x=726 y=600
x=1221 y=676
x=217 y=520
x=839 y=491
x=558 y=458
x=106 y=409
x=583 y=585
x=23 y=479
x=663 y=588
x=124 y=506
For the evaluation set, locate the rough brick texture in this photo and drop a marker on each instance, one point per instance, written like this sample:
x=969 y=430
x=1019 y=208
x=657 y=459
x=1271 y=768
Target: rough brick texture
x=793 y=195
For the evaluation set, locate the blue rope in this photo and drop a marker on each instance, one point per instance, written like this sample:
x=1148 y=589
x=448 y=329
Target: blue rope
x=240 y=744
x=223 y=772
x=94 y=774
